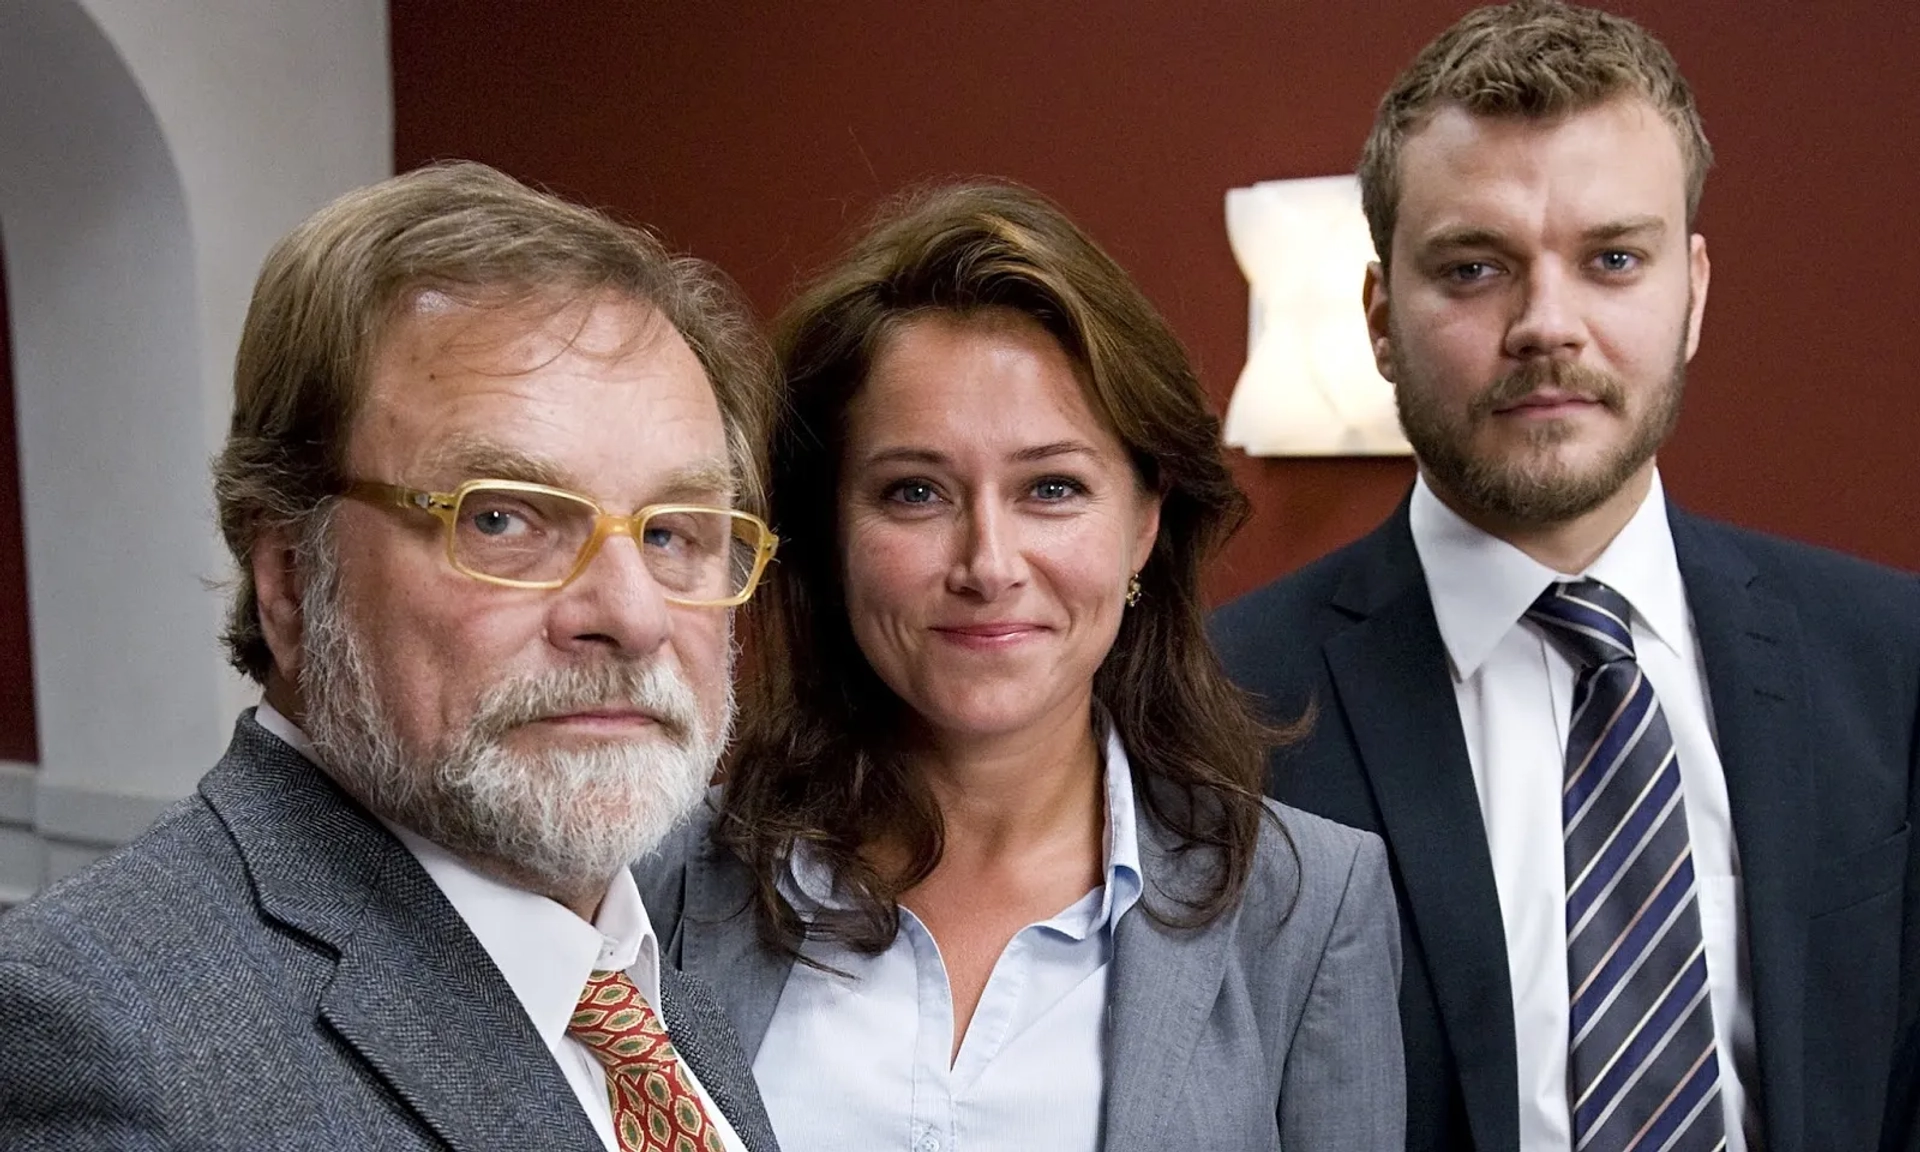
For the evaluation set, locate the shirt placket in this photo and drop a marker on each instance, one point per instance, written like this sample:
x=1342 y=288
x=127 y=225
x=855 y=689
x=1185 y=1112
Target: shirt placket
x=931 y=1112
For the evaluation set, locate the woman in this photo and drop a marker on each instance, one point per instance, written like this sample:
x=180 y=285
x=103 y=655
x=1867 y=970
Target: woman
x=991 y=869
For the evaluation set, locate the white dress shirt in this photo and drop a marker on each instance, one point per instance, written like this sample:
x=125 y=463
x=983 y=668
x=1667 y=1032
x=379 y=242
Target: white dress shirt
x=545 y=952
x=861 y=1060
x=1515 y=693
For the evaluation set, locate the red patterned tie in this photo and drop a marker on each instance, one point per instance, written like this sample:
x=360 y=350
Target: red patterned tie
x=655 y=1108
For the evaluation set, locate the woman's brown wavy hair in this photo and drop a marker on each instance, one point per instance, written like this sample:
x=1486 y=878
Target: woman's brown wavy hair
x=818 y=761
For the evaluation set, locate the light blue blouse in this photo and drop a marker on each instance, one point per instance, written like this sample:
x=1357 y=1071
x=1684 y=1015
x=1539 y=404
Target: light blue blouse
x=860 y=1061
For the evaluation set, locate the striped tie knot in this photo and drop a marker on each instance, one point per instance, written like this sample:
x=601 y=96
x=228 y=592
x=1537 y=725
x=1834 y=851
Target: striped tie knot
x=1586 y=620
x=1643 y=1065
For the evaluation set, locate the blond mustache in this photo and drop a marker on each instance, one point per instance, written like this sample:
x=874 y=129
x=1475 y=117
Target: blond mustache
x=1529 y=378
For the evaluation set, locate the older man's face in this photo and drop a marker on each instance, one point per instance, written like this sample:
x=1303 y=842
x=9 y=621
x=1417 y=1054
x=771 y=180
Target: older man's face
x=550 y=735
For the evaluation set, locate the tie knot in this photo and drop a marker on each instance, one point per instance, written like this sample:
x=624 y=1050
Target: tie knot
x=613 y=1019
x=654 y=1101
x=1586 y=620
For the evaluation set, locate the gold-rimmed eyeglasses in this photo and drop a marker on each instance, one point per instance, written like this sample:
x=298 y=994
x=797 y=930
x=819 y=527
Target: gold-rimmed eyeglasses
x=523 y=535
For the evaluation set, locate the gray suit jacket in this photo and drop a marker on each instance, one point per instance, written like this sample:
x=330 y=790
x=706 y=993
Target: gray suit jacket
x=1275 y=1026
x=267 y=967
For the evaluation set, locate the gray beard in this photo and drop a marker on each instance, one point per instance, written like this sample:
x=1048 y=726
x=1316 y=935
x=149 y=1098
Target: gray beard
x=561 y=822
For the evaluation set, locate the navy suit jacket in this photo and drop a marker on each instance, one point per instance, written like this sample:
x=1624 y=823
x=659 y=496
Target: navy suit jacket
x=1813 y=671
x=267 y=967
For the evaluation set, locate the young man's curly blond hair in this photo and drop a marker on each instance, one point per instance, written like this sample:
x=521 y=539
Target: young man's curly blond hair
x=1534 y=58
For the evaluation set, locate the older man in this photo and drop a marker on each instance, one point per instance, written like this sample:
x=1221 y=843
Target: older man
x=1648 y=781
x=483 y=486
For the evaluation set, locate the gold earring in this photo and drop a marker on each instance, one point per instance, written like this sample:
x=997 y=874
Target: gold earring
x=1133 y=590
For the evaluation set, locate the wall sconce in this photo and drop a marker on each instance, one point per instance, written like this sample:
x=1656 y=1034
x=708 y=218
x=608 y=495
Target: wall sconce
x=1310 y=387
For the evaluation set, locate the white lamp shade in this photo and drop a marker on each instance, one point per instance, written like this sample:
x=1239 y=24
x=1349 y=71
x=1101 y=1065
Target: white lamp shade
x=1310 y=387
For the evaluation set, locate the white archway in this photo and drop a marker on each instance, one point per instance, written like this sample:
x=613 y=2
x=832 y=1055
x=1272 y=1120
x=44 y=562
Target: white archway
x=146 y=163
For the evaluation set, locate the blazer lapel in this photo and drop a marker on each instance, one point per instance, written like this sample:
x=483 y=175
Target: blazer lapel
x=1390 y=674
x=703 y=1038
x=1164 y=984
x=1756 y=682
x=719 y=939
x=422 y=1003
x=413 y=994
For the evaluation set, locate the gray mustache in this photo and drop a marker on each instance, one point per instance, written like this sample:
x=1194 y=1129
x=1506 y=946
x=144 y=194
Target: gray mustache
x=652 y=688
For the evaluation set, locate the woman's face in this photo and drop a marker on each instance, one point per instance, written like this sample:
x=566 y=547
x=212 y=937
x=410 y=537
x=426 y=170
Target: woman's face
x=990 y=522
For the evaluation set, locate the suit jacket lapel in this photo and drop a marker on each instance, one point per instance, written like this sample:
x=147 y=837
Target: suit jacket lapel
x=1755 y=679
x=1164 y=984
x=421 y=1002
x=719 y=939
x=1390 y=673
x=705 y=1041
x=413 y=994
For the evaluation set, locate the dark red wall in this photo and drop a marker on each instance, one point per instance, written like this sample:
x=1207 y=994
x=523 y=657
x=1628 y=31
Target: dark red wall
x=755 y=134
x=18 y=739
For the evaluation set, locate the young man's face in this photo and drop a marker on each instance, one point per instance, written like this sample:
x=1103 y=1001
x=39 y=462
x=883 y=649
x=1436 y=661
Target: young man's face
x=1539 y=306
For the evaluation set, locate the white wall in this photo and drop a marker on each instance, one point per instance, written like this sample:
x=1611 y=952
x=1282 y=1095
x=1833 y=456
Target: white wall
x=150 y=152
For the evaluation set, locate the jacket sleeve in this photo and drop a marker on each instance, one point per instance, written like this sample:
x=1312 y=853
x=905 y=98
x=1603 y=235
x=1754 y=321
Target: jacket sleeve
x=75 y=1069
x=1344 y=1086
x=1901 y=1129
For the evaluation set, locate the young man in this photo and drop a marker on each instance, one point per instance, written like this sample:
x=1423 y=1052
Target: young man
x=398 y=914
x=1648 y=780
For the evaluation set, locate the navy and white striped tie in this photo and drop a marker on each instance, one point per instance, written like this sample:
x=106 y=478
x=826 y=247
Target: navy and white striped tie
x=1643 y=1072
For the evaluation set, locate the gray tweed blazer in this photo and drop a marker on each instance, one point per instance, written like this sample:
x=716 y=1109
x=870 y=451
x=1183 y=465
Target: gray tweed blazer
x=267 y=967
x=1277 y=1026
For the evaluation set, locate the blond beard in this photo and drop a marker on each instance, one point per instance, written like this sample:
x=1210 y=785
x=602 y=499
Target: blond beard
x=1529 y=488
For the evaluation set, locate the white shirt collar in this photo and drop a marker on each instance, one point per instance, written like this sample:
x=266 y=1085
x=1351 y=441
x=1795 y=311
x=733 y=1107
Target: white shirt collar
x=813 y=879
x=1122 y=838
x=1481 y=585
x=544 y=951
x=285 y=730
